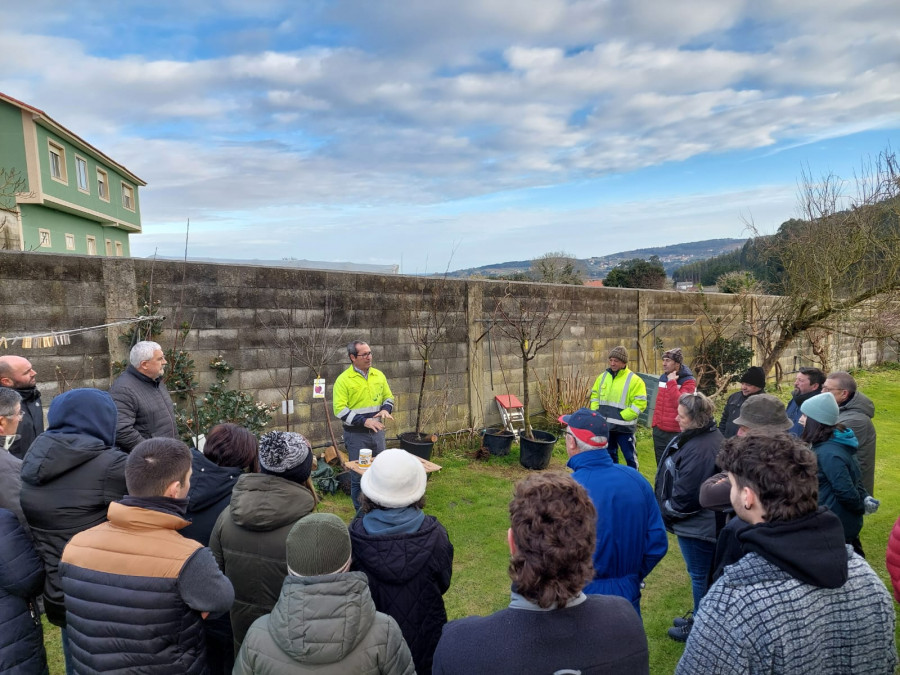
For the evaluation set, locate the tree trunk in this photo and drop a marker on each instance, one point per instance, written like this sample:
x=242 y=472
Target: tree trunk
x=525 y=409
x=421 y=396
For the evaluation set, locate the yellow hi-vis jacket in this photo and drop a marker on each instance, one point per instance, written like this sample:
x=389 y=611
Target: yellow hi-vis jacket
x=356 y=398
x=620 y=397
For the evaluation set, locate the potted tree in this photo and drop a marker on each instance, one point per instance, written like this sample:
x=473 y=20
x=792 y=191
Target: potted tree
x=532 y=325
x=430 y=316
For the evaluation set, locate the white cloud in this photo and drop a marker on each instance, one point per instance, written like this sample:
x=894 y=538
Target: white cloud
x=402 y=105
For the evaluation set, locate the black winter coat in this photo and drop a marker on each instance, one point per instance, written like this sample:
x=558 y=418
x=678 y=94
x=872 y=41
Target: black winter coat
x=731 y=412
x=32 y=423
x=686 y=463
x=408 y=575
x=21 y=580
x=68 y=483
x=211 y=487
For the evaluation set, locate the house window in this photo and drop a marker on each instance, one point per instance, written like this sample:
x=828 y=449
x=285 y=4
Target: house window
x=44 y=238
x=70 y=242
x=103 y=185
x=81 y=171
x=119 y=251
x=92 y=245
x=128 y=197
x=109 y=248
x=58 y=162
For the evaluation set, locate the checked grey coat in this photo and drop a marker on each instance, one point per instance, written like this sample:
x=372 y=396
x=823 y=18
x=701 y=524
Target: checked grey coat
x=758 y=619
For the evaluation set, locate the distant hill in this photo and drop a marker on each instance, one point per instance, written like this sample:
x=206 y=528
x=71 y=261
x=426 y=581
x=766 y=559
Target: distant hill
x=671 y=257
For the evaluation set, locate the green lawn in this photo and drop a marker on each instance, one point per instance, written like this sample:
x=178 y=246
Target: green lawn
x=470 y=498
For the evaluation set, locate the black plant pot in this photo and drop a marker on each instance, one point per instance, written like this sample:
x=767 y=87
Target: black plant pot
x=498 y=441
x=535 y=454
x=419 y=445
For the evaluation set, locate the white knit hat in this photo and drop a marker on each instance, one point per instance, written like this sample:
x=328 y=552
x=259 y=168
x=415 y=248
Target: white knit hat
x=395 y=479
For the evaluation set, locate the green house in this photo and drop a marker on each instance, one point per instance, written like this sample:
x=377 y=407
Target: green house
x=58 y=193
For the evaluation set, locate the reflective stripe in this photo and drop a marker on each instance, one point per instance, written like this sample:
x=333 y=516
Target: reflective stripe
x=351 y=414
x=617 y=421
x=625 y=390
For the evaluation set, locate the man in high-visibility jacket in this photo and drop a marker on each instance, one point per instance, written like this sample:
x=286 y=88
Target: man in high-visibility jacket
x=362 y=401
x=621 y=397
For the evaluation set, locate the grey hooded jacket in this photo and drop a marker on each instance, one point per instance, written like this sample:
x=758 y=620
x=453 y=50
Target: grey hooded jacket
x=857 y=414
x=324 y=625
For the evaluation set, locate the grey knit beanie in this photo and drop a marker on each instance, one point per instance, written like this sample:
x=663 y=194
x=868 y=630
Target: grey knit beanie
x=674 y=354
x=284 y=452
x=317 y=544
x=619 y=353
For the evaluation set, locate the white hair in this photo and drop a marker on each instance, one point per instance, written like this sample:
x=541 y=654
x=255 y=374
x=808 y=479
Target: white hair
x=142 y=351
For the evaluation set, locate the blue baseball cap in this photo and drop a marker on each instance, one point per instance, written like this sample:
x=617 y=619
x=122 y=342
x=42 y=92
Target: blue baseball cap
x=588 y=426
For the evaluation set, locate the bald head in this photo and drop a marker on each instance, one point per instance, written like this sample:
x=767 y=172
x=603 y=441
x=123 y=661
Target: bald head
x=16 y=372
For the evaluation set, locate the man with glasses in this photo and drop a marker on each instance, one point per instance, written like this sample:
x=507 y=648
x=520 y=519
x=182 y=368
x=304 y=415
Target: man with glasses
x=10 y=465
x=631 y=537
x=17 y=374
x=856 y=413
x=362 y=401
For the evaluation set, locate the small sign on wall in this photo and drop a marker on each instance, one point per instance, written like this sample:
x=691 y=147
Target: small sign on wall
x=319 y=388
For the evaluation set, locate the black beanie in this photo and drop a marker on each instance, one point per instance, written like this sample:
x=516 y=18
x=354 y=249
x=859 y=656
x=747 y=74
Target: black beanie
x=755 y=376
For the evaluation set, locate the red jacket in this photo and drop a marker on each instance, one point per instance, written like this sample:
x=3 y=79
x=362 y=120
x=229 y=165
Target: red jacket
x=892 y=559
x=667 y=398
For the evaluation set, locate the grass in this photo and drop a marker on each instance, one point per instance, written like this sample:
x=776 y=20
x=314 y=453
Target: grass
x=470 y=497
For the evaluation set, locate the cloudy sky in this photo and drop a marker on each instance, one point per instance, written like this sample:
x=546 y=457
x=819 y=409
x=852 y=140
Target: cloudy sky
x=428 y=132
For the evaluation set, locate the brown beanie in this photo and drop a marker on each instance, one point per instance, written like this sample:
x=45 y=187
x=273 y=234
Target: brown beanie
x=619 y=353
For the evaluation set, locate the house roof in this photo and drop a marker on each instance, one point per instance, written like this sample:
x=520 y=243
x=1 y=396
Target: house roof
x=45 y=119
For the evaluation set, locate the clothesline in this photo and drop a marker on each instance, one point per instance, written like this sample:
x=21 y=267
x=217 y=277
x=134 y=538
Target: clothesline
x=63 y=337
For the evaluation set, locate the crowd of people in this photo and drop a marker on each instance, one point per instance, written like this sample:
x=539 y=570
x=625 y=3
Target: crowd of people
x=150 y=556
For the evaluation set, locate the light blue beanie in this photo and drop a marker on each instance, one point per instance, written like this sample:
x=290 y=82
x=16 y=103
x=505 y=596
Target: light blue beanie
x=822 y=408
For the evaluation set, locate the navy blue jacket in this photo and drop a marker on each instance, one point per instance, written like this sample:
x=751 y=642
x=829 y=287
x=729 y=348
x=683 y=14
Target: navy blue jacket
x=408 y=576
x=211 y=487
x=69 y=477
x=21 y=579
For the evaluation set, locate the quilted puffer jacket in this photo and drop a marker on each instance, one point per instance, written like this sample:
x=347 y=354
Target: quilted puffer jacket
x=408 y=575
x=248 y=543
x=21 y=579
x=325 y=625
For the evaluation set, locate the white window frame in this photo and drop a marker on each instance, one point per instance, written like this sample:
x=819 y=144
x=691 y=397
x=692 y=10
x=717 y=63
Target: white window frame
x=103 y=182
x=91 y=245
x=81 y=172
x=127 y=196
x=56 y=150
x=120 y=250
x=44 y=240
x=70 y=242
x=109 y=248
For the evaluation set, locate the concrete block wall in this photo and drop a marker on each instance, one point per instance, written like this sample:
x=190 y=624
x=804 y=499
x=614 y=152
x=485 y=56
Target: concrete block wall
x=252 y=315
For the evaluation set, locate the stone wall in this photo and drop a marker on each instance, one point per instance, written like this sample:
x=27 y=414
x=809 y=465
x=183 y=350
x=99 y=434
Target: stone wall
x=260 y=318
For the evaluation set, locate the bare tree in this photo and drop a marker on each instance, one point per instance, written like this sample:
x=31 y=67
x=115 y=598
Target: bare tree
x=843 y=252
x=720 y=353
x=311 y=335
x=532 y=324
x=12 y=184
x=432 y=314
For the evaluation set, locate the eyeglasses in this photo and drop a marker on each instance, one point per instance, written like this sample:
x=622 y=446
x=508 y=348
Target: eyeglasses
x=18 y=415
x=362 y=356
